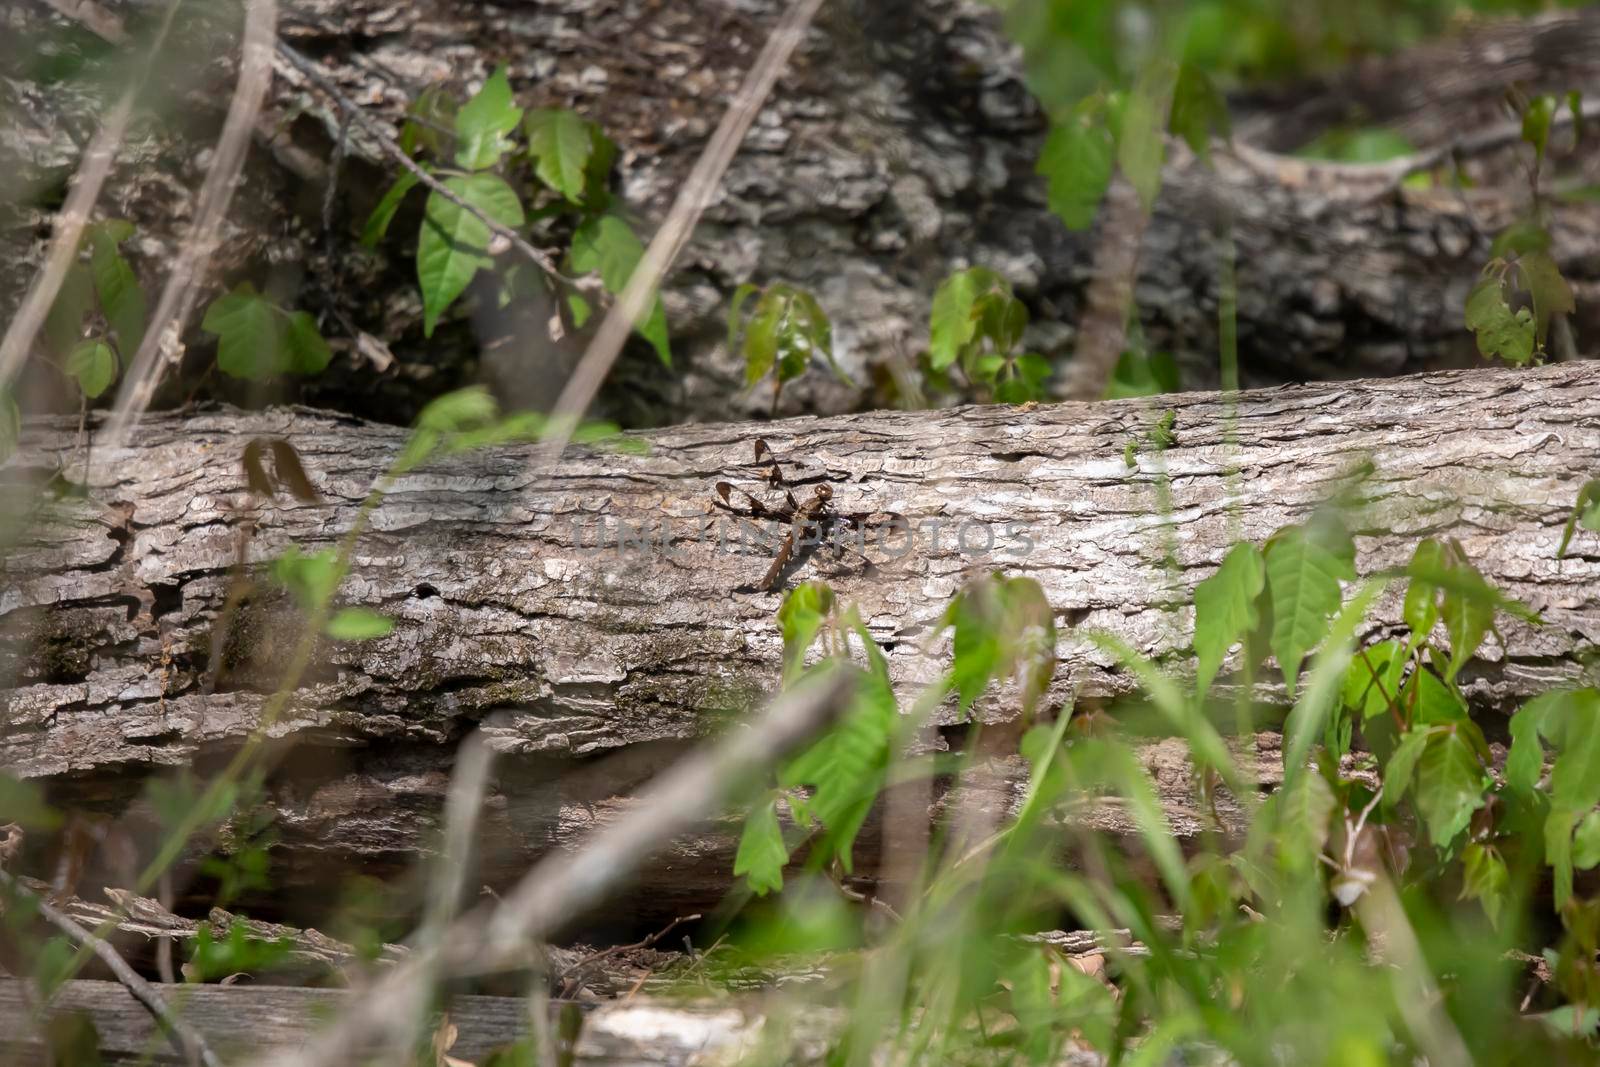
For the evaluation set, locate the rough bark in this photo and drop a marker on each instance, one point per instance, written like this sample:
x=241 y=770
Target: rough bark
x=510 y=619
x=240 y=1021
x=901 y=147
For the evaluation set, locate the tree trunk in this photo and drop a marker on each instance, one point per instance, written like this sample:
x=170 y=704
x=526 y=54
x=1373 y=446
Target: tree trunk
x=516 y=611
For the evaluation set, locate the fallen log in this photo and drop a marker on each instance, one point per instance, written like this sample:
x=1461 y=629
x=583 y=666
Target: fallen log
x=509 y=616
x=242 y=1020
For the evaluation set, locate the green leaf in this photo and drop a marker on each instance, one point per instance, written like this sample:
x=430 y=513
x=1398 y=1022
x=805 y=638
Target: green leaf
x=248 y=333
x=1004 y=628
x=63 y=326
x=483 y=123
x=1450 y=785
x=847 y=766
x=1303 y=576
x=957 y=305
x=1076 y=162
x=761 y=337
x=1198 y=109
x=453 y=244
x=1141 y=143
x=1570 y=720
x=799 y=619
x=735 y=310
x=1525 y=762
x=1421 y=609
x=1501 y=334
x=1536 y=123
x=1225 y=609
x=10 y=424
x=560 y=143
x=1431 y=701
x=762 y=853
x=1468 y=611
x=121 y=297
x=358 y=624
x=1485 y=879
x=607 y=244
x=94 y=365
x=378 y=222
x=1402 y=764
x=304 y=350
x=1143 y=374
x=436 y=109
x=24 y=802
x=311 y=578
x=1586 y=842
x=458 y=411
x=1558 y=850
x=1549 y=290
x=1372 y=681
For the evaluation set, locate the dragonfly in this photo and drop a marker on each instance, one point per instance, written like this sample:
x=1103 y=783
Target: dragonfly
x=810 y=519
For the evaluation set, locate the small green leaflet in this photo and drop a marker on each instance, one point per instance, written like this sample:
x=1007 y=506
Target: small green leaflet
x=799 y=619
x=378 y=222
x=1076 y=162
x=1558 y=850
x=310 y=577
x=304 y=350
x=257 y=339
x=1450 y=784
x=1525 y=762
x=962 y=309
x=1304 y=570
x=1549 y=291
x=1198 y=109
x=762 y=853
x=453 y=244
x=121 y=297
x=607 y=244
x=436 y=109
x=1536 y=123
x=63 y=325
x=1570 y=720
x=1225 y=609
x=1143 y=374
x=1501 y=333
x=1141 y=140
x=358 y=624
x=847 y=766
x=1586 y=842
x=561 y=145
x=94 y=365
x=1402 y=764
x=786 y=329
x=483 y=123
x=1485 y=879
x=1004 y=628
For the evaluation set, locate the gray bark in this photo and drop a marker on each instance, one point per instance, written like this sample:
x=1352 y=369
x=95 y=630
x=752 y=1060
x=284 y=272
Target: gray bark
x=900 y=147
x=242 y=1020
x=509 y=619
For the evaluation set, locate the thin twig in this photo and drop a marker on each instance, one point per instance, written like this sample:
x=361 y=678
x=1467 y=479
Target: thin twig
x=185 y=1038
x=179 y=295
x=392 y=149
x=693 y=199
x=562 y=886
x=596 y=957
x=74 y=214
